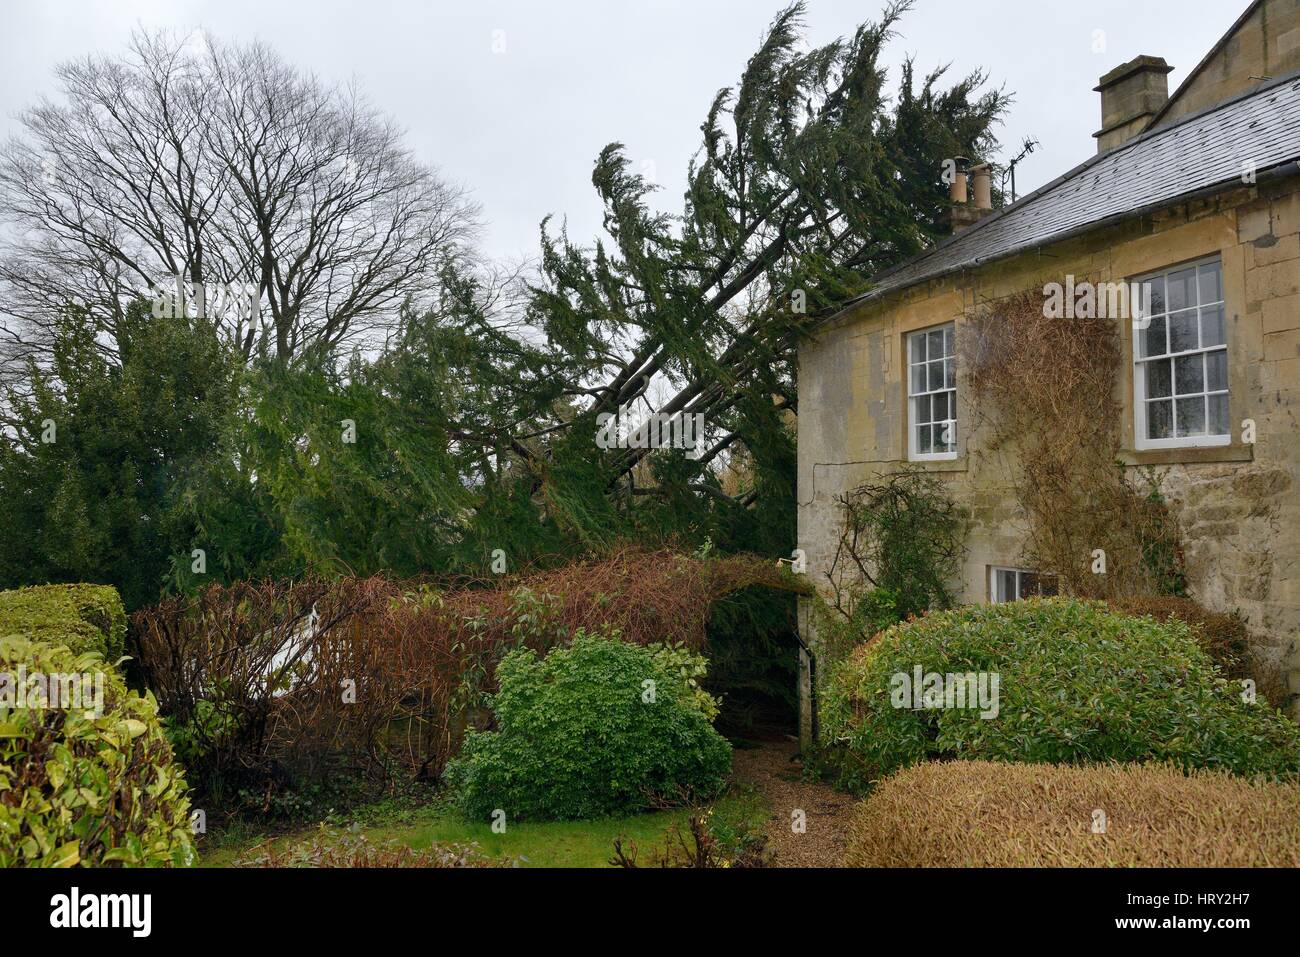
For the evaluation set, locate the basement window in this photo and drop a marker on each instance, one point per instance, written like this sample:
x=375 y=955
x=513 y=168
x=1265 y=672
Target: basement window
x=1180 y=357
x=932 y=394
x=1013 y=584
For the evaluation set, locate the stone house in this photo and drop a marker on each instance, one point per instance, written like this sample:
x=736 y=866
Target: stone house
x=1198 y=194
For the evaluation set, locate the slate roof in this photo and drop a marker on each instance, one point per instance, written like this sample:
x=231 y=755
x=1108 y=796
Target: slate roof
x=1158 y=168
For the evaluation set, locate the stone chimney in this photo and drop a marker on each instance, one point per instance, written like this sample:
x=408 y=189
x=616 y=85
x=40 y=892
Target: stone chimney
x=1130 y=95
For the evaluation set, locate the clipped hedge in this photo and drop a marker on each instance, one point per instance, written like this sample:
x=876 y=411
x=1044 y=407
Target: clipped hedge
x=987 y=814
x=582 y=735
x=79 y=617
x=1078 y=683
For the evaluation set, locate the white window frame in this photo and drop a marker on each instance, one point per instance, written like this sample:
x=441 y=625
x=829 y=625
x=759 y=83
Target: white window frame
x=913 y=453
x=1140 y=364
x=1020 y=573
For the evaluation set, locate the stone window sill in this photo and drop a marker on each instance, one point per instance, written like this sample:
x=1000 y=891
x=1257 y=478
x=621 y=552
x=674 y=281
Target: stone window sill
x=941 y=465
x=1188 y=456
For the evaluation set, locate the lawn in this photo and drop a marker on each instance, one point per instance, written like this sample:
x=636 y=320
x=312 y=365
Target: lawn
x=532 y=844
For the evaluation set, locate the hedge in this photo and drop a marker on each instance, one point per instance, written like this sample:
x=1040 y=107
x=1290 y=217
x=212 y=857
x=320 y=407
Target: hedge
x=1078 y=683
x=80 y=617
x=990 y=814
x=1224 y=636
x=86 y=772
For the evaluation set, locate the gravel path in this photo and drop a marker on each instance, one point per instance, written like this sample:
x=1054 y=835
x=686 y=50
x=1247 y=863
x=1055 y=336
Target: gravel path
x=770 y=768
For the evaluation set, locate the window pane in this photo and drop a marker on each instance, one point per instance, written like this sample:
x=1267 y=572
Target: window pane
x=947 y=341
x=1213 y=331
x=918 y=347
x=1032 y=583
x=1182 y=289
x=1158 y=296
x=1211 y=280
x=1190 y=416
x=1218 y=415
x=934 y=349
x=1159 y=379
x=1153 y=338
x=923 y=439
x=1182 y=331
x=952 y=406
x=1216 y=371
x=1189 y=374
x=918 y=379
x=1006 y=585
x=922 y=409
x=950 y=373
x=946 y=439
x=936 y=375
x=1145 y=295
x=940 y=407
x=1160 y=420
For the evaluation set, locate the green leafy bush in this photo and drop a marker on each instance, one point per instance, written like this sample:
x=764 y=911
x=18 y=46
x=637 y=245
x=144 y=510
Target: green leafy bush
x=583 y=734
x=79 y=617
x=1078 y=683
x=1224 y=637
x=839 y=631
x=87 y=785
x=689 y=668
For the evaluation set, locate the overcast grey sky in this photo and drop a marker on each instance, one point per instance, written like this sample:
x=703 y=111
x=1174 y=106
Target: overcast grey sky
x=522 y=126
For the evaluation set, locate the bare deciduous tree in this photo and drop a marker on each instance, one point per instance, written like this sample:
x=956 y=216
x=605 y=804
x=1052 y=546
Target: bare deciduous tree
x=212 y=164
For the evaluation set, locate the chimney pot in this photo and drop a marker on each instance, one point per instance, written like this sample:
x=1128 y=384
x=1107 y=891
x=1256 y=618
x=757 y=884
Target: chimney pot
x=982 y=180
x=957 y=191
x=1131 y=94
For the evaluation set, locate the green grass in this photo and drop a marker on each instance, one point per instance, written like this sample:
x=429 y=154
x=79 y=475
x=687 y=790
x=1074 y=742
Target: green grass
x=532 y=844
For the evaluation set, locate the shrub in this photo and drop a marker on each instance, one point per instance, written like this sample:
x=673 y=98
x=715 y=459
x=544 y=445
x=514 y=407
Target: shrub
x=249 y=674
x=986 y=814
x=581 y=736
x=79 y=617
x=80 y=785
x=1077 y=683
x=325 y=850
x=706 y=844
x=689 y=668
x=1223 y=636
x=903 y=538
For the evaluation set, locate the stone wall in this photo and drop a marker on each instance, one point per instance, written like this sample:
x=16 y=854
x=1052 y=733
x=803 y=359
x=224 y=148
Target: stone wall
x=1265 y=44
x=1239 y=505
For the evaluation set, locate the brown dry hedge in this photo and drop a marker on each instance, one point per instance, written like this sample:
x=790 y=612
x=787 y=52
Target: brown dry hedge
x=988 y=814
x=270 y=681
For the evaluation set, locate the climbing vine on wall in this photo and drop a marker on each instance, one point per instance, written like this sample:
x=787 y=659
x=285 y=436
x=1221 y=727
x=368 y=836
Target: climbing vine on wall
x=1046 y=389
